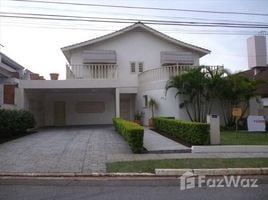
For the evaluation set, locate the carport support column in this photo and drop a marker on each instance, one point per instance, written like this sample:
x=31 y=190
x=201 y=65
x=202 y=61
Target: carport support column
x=19 y=98
x=117 y=102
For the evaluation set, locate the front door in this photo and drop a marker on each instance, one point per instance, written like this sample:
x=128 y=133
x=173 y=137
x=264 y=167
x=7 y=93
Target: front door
x=59 y=113
x=125 y=108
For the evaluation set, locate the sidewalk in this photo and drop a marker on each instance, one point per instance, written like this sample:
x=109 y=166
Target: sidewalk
x=156 y=143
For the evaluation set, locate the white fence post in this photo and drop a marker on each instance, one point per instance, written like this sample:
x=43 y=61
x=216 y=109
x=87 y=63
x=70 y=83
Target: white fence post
x=214 y=131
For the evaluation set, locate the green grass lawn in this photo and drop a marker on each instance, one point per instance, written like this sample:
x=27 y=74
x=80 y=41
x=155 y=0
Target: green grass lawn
x=151 y=165
x=244 y=138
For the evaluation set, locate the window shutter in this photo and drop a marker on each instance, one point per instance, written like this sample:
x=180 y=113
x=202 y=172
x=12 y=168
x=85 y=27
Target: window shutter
x=9 y=94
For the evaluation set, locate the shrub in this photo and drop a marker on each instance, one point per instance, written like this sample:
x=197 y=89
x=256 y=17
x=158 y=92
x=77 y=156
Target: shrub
x=15 y=122
x=132 y=132
x=191 y=132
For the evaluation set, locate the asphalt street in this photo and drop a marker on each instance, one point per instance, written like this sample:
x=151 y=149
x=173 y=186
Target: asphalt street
x=118 y=188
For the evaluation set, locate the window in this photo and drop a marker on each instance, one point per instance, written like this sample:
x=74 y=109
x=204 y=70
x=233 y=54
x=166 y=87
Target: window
x=132 y=67
x=140 y=67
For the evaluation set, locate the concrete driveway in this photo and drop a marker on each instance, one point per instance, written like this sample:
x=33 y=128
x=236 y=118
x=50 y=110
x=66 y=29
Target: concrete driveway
x=70 y=149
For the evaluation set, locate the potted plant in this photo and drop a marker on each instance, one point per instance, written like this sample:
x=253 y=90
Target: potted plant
x=137 y=118
x=54 y=76
x=152 y=105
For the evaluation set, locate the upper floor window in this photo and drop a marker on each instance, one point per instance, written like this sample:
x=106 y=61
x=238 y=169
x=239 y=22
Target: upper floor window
x=136 y=67
x=132 y=67
x=140 y=67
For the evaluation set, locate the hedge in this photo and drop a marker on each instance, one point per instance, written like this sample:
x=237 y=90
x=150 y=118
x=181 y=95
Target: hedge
x=132 y=132
x=191 y=132
x=15 y=122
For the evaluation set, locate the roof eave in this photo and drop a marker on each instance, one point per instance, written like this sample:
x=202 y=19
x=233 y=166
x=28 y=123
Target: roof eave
x=13 y=64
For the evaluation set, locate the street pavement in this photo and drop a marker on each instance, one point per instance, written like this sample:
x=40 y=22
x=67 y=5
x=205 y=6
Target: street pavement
x=114 y=188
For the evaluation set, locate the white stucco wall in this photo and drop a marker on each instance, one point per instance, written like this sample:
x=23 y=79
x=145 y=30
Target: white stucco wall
x=168 y=104
x=134 y=46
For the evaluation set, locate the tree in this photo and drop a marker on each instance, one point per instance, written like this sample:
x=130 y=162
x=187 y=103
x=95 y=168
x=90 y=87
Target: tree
x=191 y=86
x=236 y=90
x=200 y=87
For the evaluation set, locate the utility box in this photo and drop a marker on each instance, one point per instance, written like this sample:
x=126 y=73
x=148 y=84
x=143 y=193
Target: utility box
x=214 y=122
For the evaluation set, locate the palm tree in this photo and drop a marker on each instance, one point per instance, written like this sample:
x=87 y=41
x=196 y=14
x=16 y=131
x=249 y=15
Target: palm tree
x=191 y=86
x=198 y=88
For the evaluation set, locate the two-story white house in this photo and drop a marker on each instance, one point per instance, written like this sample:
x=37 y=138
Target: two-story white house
x=112 y=75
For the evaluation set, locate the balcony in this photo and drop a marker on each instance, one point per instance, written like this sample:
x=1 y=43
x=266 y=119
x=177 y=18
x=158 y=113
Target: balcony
x=165 y=72
x=92 y=71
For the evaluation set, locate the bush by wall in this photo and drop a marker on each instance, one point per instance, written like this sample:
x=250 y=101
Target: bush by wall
x=132 y=132
x=191 y=132
x=15 y=122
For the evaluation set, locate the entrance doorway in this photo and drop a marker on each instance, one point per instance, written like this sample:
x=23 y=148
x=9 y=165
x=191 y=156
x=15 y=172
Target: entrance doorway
x=125 y=108
x=59 y=113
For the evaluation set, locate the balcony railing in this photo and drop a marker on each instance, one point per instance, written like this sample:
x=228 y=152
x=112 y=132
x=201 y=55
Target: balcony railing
x=164 y=73
x=92 y=71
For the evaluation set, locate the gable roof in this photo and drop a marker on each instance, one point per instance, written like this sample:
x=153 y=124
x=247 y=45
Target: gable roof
x=9 y=62
x=202 y=51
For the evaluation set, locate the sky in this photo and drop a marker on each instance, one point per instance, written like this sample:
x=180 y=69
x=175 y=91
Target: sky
x=35 y=44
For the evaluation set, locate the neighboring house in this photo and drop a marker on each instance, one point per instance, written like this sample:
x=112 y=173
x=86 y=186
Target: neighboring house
x=113 y=75
x=259 y=105
x=10 y=73
x=257 y=62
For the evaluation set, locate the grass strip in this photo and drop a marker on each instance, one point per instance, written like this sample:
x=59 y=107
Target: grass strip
x=151 y=165
x=244 y=138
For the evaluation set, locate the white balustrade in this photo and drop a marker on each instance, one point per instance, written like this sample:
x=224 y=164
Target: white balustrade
x=165 y=72
x=92 y=71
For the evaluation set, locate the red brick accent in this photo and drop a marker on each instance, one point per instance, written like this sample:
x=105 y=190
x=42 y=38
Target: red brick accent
x=9 y=94
x=34 y=76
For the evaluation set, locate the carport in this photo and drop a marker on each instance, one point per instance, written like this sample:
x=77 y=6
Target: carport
x=60 y=107
x=76 y=102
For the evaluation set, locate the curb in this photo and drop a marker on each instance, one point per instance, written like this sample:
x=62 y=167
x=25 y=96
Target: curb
x=158 y=173
x=74 y=174
x=230 y=149
x=212 y=172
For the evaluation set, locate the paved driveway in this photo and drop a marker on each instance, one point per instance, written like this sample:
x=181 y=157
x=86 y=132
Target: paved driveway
x=74 y=149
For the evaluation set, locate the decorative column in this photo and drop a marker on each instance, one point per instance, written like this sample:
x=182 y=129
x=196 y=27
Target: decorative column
x=117 y=102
